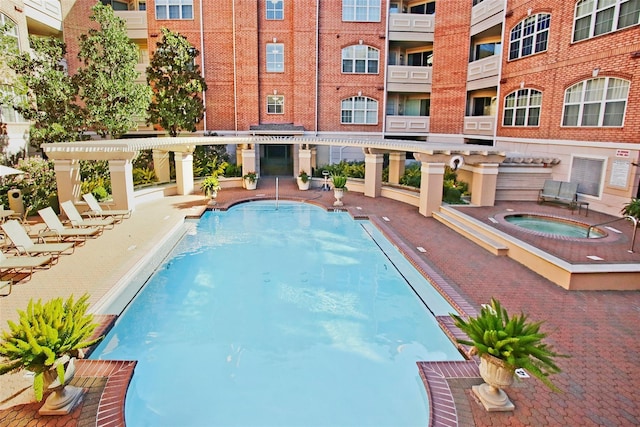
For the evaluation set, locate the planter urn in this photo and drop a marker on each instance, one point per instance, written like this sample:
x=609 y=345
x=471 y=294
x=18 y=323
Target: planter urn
x=496 y=376
x=338 y=193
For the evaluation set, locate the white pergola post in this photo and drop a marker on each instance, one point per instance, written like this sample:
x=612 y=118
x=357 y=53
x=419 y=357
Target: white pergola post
x=121 y=172
x=161 y=165
x=431 y=188
x=249 y=161
x=396 y=166
x=304 y=161
x=483 y=187
x=184 y=172
x=373 y=174
x=68 y=179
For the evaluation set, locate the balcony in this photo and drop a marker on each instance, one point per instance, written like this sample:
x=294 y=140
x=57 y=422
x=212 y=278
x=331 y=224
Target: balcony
x=479 y=125
x=411 y=27
x=44 y=17
x=406 y=78
x=483 y=73
x=407 y=124
x=486 y=14
x=136 y=22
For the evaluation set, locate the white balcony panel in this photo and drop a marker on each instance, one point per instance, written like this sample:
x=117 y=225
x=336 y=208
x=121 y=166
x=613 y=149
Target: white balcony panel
x=408 y=74
x=136 y=22
x=407 y=124
x=479 y=125
x=483 y=68
x=410 y=22
x=409 y=87
x=485 y=10
x=44 y=12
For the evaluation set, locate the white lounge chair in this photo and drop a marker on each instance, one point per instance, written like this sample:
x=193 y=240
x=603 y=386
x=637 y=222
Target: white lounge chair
x=77 y=221
x=95 y=209
x=56 y=229
x=24 y=245
x=18 y=264
x=6 y=284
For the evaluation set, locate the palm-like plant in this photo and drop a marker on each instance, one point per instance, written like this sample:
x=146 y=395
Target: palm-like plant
x=339 y=181
x=46 y=336
x=632 y=208
x=515 y=340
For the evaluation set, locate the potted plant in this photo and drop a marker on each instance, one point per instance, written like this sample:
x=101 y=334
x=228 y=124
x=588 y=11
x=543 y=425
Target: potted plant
x=210 y=185
x=303 y=180
x=339 y=187
x=250 y=180
x=632 y=208
x=504 y=344
x=46 y=341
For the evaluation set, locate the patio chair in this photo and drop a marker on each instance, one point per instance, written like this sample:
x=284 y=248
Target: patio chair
x=95 y=209
x=76 y=219
x=23 y=244
x=55 y=228
x=18 y=264
x=6 y=284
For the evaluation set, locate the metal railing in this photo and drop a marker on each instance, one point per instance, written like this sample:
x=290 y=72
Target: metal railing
x=628 y=217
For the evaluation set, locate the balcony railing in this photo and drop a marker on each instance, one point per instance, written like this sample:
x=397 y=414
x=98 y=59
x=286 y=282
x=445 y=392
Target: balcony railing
x=45 y=12
x=408 y=74
x=479 y=125
x=486 y=9
x=483 y=68
x=411 y=26
x=407 y=124
x=136 y=22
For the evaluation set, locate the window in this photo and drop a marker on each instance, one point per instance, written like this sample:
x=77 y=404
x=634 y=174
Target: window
x=361 y=10
x=596 y=102
x=275 y=104
x=7 y=113
x=595 y=17
x=587 y=172
x=275 y=9
x=485 y=50
x=174 y=9
x=529 y=36
x=424 y=8
x=275 y=57
x=359 y=110
x=420 y=59
x=483 y=106
x=360 y=59
x=522 y=108
x=11 y=31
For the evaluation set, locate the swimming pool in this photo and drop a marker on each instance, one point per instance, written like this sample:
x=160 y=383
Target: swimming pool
x=280 y=317
x=554 y=226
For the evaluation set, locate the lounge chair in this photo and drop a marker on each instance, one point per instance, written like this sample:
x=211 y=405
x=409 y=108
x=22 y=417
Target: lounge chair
x=23 y=244
x=6 y=284
x=77 y=221
x=18 y=264
x=95 y=209
x=56 y=229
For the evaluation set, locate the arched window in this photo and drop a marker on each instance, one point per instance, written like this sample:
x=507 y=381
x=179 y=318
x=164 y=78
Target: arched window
x=529 y=36
x=522 y=108
x=600 y=17
x=596 y=102
x=359 y=110
x=360 y=59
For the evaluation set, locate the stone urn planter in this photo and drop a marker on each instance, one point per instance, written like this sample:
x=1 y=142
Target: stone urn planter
x=496 y=375
x=64 y=398
x=250 y=180
x=338 y=193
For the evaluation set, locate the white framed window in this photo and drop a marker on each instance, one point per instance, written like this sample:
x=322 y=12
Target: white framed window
x=588 y=172
x=529 y=36
x=12 y=29
x=8 y=98
x=596 y=102
x=174 y=9
x=275 y=57
x=426 y=8
x=361 y=10
x=359 y=110
x=522 y=108
x=275 y=104
x=360 y=59
x=275 y=10
x=595 y=17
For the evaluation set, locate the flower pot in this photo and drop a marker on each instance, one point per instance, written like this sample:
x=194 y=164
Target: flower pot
x=496 y=375
x=250 y=185
x=64 y=398
x=338 y=193
x=303 y=185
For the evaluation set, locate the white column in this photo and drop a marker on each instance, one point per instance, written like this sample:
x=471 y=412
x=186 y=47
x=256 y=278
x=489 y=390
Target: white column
x=431 y=187
x=161 y=165
x=483 y=187
x=373 y=174
x=121 y=172
x=304 y=161
x=249 y=160
x=68 y=179
x=396 y=166
x=184 y=172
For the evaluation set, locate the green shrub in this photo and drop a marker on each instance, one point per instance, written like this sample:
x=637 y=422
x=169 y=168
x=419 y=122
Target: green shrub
x=144 y=176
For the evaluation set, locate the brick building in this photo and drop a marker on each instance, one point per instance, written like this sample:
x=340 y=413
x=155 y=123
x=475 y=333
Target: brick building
x=544 y=79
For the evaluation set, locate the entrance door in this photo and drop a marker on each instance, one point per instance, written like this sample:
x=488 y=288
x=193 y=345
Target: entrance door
x=276 y=159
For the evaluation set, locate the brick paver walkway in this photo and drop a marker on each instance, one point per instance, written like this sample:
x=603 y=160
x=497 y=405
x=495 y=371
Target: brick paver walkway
x=597 y=328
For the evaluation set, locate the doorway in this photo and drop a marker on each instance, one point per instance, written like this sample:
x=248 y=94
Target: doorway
x=276 y=159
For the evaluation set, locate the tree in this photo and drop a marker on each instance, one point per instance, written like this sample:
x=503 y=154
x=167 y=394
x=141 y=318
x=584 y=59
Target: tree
x=107 y=85
x=52 y=95
x=177 y=85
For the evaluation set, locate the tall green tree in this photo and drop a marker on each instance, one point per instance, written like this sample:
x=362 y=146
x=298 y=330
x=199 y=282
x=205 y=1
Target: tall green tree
x=51 y=103
x=177 y=85
x=112 y=100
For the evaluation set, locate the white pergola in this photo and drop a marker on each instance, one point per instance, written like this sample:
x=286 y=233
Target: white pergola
x=481 y=161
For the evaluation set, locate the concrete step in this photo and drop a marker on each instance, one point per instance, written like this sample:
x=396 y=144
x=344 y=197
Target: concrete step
x=473 y=234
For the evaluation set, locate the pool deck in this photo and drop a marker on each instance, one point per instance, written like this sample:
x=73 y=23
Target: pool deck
x=597 y=328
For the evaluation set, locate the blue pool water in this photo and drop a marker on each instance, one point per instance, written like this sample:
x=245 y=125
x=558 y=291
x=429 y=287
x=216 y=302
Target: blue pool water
x=555 y=226
x=280 y=317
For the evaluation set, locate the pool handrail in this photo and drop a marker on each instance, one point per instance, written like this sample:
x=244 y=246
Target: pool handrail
x=629 y=217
